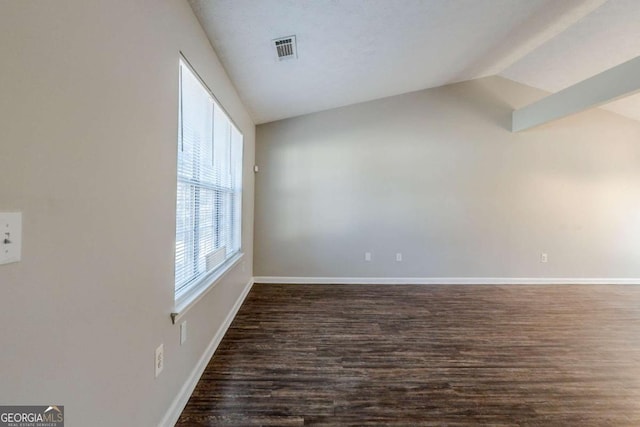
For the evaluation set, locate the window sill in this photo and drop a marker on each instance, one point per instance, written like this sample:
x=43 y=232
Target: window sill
x=197 y=292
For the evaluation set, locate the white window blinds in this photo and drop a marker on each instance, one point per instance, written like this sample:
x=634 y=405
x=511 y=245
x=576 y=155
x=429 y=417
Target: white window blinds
x=209 y=194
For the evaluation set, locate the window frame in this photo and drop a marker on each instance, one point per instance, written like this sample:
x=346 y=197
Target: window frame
x=195 y=288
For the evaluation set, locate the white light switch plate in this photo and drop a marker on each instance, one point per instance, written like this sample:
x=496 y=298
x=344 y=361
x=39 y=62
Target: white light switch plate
x=10 y=237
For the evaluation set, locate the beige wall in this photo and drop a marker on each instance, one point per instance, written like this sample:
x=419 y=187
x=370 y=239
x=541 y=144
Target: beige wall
x=438 y=176
x=88 y=115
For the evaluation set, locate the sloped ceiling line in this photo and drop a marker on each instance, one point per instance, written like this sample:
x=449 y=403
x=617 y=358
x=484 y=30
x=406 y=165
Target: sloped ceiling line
x=617 y=82
x=351 y=51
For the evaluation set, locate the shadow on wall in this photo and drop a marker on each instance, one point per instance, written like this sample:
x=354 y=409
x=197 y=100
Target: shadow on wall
x=483 y=98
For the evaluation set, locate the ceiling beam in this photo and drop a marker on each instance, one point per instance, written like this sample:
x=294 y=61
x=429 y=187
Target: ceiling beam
x=543 y=25
x=617 y=82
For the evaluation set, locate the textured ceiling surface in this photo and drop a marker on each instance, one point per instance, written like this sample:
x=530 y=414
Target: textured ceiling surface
x=352 y=51
x=608 y=36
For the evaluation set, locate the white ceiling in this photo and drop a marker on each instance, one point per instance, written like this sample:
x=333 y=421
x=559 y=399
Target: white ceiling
x=608 y=36
x=356 y=50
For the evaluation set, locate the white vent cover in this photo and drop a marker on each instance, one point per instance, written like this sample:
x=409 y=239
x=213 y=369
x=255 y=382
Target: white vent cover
x=286 y=48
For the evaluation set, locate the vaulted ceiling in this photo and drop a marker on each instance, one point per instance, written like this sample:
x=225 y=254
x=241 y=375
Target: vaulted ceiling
x=352 y=51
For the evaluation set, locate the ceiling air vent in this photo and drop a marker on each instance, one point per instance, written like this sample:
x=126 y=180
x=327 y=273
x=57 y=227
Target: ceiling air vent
x=286 y=48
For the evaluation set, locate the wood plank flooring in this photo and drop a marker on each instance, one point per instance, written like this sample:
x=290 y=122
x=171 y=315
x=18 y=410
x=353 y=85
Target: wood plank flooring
x=360 y=355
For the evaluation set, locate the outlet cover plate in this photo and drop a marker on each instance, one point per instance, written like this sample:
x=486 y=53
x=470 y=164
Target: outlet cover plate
x=183 y=332
x=159 y=362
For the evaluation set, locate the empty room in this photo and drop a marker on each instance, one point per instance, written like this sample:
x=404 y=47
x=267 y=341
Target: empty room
x=319 y=212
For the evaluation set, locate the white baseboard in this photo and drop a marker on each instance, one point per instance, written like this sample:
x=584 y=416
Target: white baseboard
x=178 y=404
x=448 y=280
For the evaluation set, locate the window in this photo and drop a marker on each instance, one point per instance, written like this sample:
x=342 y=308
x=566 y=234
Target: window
x=209 y=190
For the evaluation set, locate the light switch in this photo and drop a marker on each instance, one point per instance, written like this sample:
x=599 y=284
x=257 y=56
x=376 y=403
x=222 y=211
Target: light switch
x=10 y=237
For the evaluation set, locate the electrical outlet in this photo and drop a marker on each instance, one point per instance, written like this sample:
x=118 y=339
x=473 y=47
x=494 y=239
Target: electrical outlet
x=399 y=257
x=367 y=256
x=183 y=332
x=544 y=257
x=159 y=364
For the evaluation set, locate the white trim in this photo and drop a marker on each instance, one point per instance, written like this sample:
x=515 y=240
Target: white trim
x=448 y=280
x=181 y=399
x=195 y=293
x=618 y=82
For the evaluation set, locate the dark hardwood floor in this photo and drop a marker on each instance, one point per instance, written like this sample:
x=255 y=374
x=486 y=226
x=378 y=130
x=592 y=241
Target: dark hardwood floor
x=360 y=355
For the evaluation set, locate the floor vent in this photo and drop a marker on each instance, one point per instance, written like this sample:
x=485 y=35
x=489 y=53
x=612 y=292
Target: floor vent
x=286 y=48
